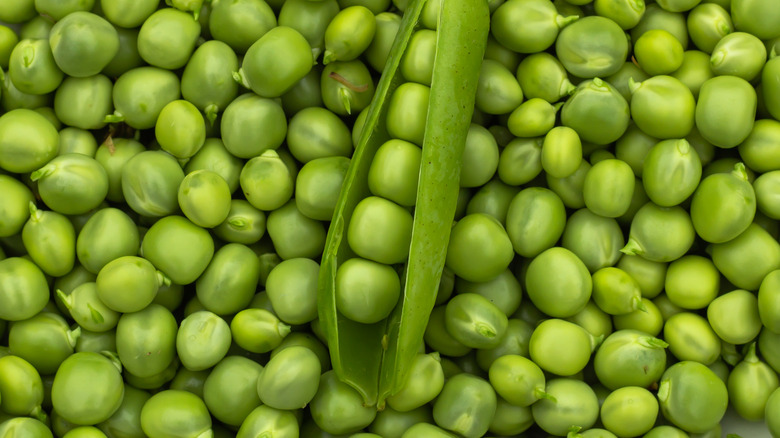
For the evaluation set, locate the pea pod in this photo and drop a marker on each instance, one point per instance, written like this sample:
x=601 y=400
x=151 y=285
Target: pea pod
x=389 y=348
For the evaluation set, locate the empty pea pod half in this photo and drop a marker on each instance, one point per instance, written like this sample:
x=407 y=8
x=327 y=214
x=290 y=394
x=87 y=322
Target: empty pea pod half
x=375 y=358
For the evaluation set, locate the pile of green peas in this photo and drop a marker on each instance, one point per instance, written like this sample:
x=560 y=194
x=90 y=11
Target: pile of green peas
x=169 y=171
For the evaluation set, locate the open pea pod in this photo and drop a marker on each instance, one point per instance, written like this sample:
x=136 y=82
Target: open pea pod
x=375 y=358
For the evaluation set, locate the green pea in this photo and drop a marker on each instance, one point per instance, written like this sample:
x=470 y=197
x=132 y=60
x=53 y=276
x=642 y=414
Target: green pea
x=204 y=197
x=87 y=388
x=258 y=330
x=146 y=340
x=306 y=93
x=621 y=78
x=649 y=275
x=658 y=52
x=569 y=188
x=648 y=320
x=140 y=95
x=480 y=157
x=387 y=25
x=349 y=34
x=394 y=172
x=608 y=188
x=738 y=305
x=626 y=13
x=207 y=80
x=407 y=112
x=630 y=358
x=96 y=341
x=107 y=235
x=671 y=172
x=338 y=408
x=126 y=13
x=32 y=67
x=155 y=381
x=214 y=156
x=50 y=241
x=424 y=384
x=311 y=19
x=58 y=10
x=228 y=283
x=244 y=224
x=559 y=296
x=726 y=126
x=175 y=413
x=561 y=347
x=113 y=155
x=127 y=57
x=202 y=340
x=8 y=40
x=467 y=245
x=595 y=240
x=230 y=391
x=179 y=248
x=615 y=291
x=266 y=181
x=84 y=102
x=439 y=339
x=757 y=151
x=498 y=91
x=647 y=239
x=290 y=379
x=390 y=423
x=45 y=340
x=85 y=432
x=594 y=320
x=191 y=381
x=27 y=141
x=535 y=220
x=504 y=291
x=347 y=87
x=497 y=52
x=517 y=380
x=83 y=43
x=465 y=406
x=167 y=38
x=596 y=111
x=88 y=310
x=772 y=407
x=25 y=289
x=427 y=430
x=520 y=161
x=655 y=17
x=417 y=61
x=533 y=118
x=150 y=181
x=690 y=337
x=662 y=107
x=686 y=381
x=276 y=62
x=180 y=129
x=21 y=388
x=492 y=199
x=292 y=289
x=766 y=304
x=571 y=403
x=366 y=291
x=734 y=206
x=72 y=183
x=390 y=226
x=318 y=133
x=692 y=282
x=601 y=54
x=265 y=419
x=707 y=23
x=694 y=71
x=307 y=340
x=474 y=321
x=739 y=54
x=561 y=152
x=527 y=26
x=294 y=234
x=629 y=411
x=252 y=124
x=24 y=427
x=240 y=23
x=77 y=140
x=541 y=75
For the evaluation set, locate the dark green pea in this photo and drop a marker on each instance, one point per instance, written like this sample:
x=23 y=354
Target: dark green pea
x=739 y=54
x=265 y=419
x=666 y=306
x=107 y=235
x=293 y=234
x=229 y=282
x=276 y=62
x=8 y=40
x=252 y=124
x=633 y=147
x=96 y=341
x=87 y=388
x=493 y=199
x=348 y=34
x=179 y=248
x=759 y=151
x=175 y=413
x=78 y=141
x=474 y=321
x=594 y=239
x=150 y=183
x=528 y=26
x=621 y=79
x=141 y=93
x=510 y=419
x=113 y=154
x=337 y=408
x=167 y=38
x=690 y=337
x=155 y=381
x=626 y=13
x=738 y=305
x=50 y=240
x=734 y=206
x=504 y=291
x=25 y=290
x=655 y=17
x=12 y=98
x=572 y=403
x=32 y=67
x=146 y=340
x=535 y=220
x=21 y=388
x=347 y=88
x=244 y=224
x=15 y=209
x=306 y=93
x=600 y=55
x=292 y=289
x=630 y=358
x=128 y=283
x=83 y=43
x=569 y=188
x=127 y=57
x=686 y=381
x=542 y=75
x=497 y=52
x=310 y=19
x=750 y=384
x=45 y=340
x=27 y=141
x=390 y=423
x=169 y=295
x=439 y=339
x=596 y=111
x=290 y=379
x=692 y=282
x=240 y=23
x=318 y=133
x=207 y=80
x=191 y=381
x=514 y=342
x=520 y=161
x=660 y=234
x=723 y=125
x=662 y=107
x=671 y=172
x=466 y=405
x=258 y=330
x=498 y=91
x=84 y=102
x=72 y=183
x=707 y=23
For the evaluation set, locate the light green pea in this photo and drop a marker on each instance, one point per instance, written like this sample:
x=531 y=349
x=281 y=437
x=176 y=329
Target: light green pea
x=671 y=172
x=515 y=341
x=180 y=129
x=244 y=223
x=83 y=43
x=615 y=291
x=561 y=152
x=561 y=347
x=601 y=54
x=608 y=188
x=648 y=320
x=694 y=71
x=146 y=340
x=721 y=217
x=542 y=75
x=594 y=320
x=204 y=197
x=738 y=305
x=128 y=283
x=349 y=34
x=620 y=79
x=276 y=61
x=251 y=125
x=626 y=13
x=520 y=161
x=750 y=385
x=533 y=118
x=347 y=87
x=27 y=141
x=660 y=234
x=658 y=52
x=759 y=151
x=230 y=390
x=88 y=310
x=479 y=160
x=517 y=380
x=337 y=408
x=32 y=67
x=258 y=330
x=97 y=378
x=596 y=240
x=596 y=111
x=662 y=107
x=528 y=26
x=202 y=340
x=293 y=234
x=229 y=281
x=690 y=337
x=318 y=133
x=266 y=181
x=498 y=91
x=21 y=388
x=292 y=289
x=141 y=93
x=692 y=282
x=707 y=24
x=655 y=17
x=174 y=412
x=726 y=125
x=407 y=112
x=267 y=420
x=425 y=382
x=616 y=360
x=466 y=405
x=688 y=380
x=50 y=240
x=739 y=54
x=79 y=141
x=572 y=403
